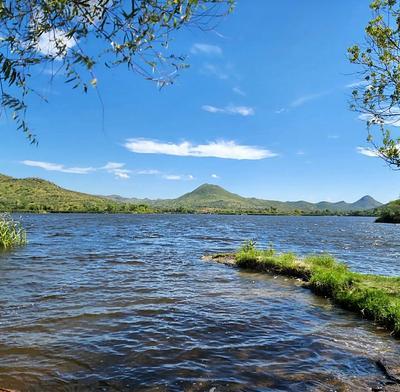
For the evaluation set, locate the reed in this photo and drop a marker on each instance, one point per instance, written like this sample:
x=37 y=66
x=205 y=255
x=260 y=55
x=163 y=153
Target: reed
x=11 y=232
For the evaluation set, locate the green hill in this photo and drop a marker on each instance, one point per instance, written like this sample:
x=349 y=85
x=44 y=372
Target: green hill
x=209 y=198
x=389 y=213
x=37 y=195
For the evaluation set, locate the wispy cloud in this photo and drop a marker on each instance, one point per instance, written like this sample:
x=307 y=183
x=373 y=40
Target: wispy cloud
x=357 y=84
x=300 y=152
x=148 y=172
x=178 y=177
x=389 y=117
x=215 y=176
x=240 y=110
x=302 y=100
x=369 y=152
x=55 y=44
x=207 y=49
x=111 y=167
x=217 y=149
x=117 y=169
x=238 y=91
x=307 y=98
x=214 y=70
x=49 y=166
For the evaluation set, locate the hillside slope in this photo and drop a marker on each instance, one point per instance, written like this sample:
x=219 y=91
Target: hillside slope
x=213 y=197
x=37 y=195
x=389 y=213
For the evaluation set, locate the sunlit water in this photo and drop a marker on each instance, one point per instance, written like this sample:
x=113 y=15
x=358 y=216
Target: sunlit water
x=125 y=303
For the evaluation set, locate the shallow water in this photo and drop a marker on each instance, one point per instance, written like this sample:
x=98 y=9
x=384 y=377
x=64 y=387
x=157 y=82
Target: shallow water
x=124 y=303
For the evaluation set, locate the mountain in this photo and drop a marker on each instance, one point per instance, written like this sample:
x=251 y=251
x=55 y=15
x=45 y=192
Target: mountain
x=366 y=203
x=37 y=195
x=208 y=198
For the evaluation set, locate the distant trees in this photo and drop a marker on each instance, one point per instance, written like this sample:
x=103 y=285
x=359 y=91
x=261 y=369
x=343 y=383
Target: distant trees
x=377 y=96
x=72 y=37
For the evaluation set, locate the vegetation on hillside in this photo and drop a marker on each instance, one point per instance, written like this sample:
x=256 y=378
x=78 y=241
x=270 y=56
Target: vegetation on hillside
x=374 y=297
x=36 y=195
x=209 y=198
x=11 y=232
x=390 y=213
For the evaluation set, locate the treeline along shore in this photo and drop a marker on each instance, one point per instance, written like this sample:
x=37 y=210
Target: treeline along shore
x=36 y=195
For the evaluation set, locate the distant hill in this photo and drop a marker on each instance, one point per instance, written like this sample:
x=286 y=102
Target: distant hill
x=389 y=213
x=37 y=195
x=211 y=198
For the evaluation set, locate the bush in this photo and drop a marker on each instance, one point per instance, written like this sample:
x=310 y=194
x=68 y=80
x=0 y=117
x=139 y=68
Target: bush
x=11 y=232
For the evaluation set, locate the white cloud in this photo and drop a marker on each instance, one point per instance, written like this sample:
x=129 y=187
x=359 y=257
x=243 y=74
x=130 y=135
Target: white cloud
x=147 y=172
x=176 y=177
x=307 y=98
x=300 y=152
x=206 y=49
x=116 y=168
x=215 y=176
x=58 y=167
x=123 y=174
x=369 y=152
x=217 y=149
x=357 y=84
x=300 y=101
x=55 y=44
x=240 y=110
x=239 y=91
x=213 y=70
x=389 y=117
x=113 y=166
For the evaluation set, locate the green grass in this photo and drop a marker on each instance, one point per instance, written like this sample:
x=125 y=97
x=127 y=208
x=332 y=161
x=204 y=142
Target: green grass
x=11 y=233
x=374 y=297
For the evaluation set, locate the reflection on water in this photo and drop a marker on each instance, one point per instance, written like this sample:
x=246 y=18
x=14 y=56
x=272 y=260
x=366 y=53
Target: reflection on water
x=123 y=302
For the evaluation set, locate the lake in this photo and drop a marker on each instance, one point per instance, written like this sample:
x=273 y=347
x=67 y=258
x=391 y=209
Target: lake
x=125 y=303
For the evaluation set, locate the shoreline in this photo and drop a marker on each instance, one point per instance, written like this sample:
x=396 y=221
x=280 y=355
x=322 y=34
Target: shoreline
x=355 y=215
x=373 y=297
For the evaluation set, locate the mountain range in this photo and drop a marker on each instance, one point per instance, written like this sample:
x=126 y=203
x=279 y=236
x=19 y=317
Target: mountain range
x=34 y=194
x=208 y=198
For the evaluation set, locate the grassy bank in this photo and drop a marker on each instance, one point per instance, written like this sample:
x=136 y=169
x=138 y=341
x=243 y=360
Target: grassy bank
x=11 y=232
x=374 y=297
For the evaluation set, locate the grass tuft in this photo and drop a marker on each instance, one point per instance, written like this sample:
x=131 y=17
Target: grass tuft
x=374 y=297
x=11 y=232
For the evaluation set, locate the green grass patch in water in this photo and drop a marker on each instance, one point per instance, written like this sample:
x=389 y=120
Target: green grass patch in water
x=11 y=232
x=374 y=297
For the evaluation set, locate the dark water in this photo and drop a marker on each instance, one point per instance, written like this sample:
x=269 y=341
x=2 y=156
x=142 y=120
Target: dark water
x=124 y=303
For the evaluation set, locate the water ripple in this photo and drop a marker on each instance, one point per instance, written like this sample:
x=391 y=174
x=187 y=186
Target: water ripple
x=123 y=303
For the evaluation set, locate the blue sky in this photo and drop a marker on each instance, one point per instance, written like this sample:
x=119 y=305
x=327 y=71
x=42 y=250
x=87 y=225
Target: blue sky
x=262 y=111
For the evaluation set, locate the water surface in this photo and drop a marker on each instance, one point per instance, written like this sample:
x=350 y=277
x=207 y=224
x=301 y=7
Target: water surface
x=125 y=303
